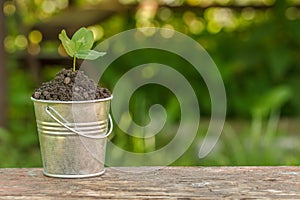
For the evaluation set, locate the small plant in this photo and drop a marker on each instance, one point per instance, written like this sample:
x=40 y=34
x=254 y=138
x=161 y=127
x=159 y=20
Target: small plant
x=79 y=46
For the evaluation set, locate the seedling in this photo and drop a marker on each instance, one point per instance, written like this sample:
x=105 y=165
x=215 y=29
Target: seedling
x=80 y=45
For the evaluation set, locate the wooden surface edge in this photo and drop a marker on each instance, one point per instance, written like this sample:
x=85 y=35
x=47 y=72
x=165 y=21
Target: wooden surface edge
x=282 y=182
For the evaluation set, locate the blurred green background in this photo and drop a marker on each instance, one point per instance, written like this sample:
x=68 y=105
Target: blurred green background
x=254 y=43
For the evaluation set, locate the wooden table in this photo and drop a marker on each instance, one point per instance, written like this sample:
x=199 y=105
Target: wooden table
x=157 y=183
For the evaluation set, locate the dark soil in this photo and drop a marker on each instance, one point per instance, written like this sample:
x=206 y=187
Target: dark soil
x=70 y=86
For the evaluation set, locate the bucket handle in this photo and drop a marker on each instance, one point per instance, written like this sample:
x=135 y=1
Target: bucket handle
x=63 y=122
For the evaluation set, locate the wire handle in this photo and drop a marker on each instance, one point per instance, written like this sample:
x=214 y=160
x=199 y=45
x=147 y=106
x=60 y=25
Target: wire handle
x=63 y=122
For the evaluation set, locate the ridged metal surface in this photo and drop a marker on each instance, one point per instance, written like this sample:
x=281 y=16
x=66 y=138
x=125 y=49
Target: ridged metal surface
x=92 y=128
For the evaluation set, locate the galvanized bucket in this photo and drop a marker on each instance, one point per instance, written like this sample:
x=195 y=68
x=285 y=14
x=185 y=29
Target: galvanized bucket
x=72 y=136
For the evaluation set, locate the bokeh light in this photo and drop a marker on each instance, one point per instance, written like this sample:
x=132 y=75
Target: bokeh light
x=35 y=36
x=9 y=44
x=292 y=13
x=33 y=49
x=165 y=14
x=248 y=13
x=48 y=6
x=9 y=8
x=168 y=31
x=98 y=31
x=21 y=42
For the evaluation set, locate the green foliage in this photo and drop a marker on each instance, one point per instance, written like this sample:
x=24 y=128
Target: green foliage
x=20 y=139
x=273 y=100
x=79 y=46
x=258 y=59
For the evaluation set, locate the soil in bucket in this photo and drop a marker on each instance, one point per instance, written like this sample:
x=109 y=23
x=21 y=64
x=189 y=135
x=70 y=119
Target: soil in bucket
x=69 y=85
x=70 y=110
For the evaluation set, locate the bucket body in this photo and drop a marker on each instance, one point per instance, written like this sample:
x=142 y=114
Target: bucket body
x=65 y=152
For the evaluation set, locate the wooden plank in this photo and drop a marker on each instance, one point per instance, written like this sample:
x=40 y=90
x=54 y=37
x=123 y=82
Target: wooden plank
x=157 y=183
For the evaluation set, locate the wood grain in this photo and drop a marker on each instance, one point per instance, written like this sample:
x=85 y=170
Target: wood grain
x=157 y=183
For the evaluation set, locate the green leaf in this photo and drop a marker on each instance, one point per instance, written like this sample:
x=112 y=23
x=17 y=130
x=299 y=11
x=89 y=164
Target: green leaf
x=83 y=39
x=68 y=44
x=79 y=46
x=89 y=54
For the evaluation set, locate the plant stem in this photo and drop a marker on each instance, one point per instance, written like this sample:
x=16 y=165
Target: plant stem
x=74 y=64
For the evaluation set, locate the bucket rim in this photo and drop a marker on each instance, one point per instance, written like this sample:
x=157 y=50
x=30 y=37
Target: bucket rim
x=72 y=102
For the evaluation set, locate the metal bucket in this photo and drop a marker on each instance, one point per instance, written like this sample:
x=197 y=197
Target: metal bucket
x=72 y=136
